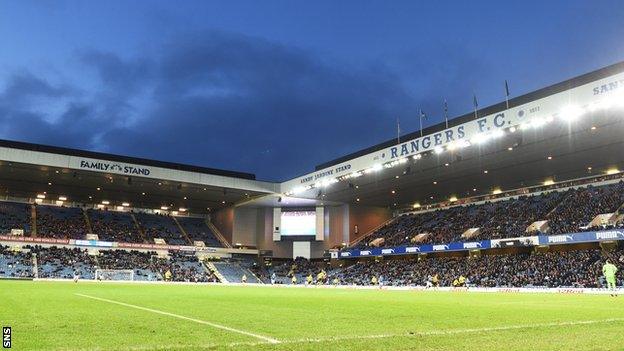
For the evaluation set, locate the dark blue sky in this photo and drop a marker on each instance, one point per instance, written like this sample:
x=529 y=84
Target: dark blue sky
x=276 y=87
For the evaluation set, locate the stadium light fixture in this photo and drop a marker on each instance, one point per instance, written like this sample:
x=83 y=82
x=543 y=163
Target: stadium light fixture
x=438 y=149
x=497 y=191
x=355 y=174
x=41 y=196
x=125 y=204
x=100 y=206
x=105 y=202
x=182 y=209
x=416 y=205
x=453 y=199
x=480 y=138
x=164 y=208
x=512 y=129
x=298 y=190
x=570 y=112
x=549 y=182
x=611 y=171
x=417 y=157
x=499 y=133
x=120 y=208
x=62 y=198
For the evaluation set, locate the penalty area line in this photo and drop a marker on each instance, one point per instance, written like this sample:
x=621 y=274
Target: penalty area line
x=199 y=321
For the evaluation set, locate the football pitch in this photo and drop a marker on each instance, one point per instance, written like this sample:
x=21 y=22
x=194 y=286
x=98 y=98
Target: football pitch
x=111 y=316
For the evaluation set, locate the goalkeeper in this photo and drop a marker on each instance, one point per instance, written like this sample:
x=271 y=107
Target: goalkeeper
x=609 y=270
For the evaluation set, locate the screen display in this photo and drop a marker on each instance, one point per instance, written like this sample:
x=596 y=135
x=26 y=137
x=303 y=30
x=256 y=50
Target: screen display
x=298 y=223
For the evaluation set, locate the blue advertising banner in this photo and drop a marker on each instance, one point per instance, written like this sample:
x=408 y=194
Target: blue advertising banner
x=615 y=234
x=571 y=238
x=403 y=250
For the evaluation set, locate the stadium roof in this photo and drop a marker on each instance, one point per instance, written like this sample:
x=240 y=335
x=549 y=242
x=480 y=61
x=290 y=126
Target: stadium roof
x=501 y=106
x=125 y=159
x=28 y=170
x=568 y=135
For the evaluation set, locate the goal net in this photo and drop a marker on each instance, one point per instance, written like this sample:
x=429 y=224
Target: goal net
x=114 y=274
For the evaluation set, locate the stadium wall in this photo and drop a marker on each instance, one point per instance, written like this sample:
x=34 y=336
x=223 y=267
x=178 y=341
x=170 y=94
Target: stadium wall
x=248 y=226
x=366 y=218
x=224 y=221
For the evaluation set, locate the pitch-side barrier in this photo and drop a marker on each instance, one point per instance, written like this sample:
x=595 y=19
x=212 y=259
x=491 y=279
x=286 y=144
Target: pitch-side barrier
x=511 y=290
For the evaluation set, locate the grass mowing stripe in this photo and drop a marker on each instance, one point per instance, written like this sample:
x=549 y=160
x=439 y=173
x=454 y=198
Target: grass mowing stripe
x=214 y=325
x=377 y=336
x=453 y=331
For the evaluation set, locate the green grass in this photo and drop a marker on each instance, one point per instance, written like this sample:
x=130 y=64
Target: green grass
x=50 y=316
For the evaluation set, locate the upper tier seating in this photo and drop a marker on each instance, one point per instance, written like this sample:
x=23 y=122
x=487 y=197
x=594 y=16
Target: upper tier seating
x=580 y=206
x=61 y=222
x=197 y=229
x=14 y=215
x=160 y=226
x=114 y=226
x=566 y=212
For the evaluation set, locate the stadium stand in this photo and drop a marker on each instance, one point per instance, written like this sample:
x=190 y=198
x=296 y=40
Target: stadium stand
x=61 y=222
x=15 y=264
x=62 y=262
x=144 y=264
x=581 y=268
x=566 y=212
x=14 y=215
x=197 y=229
x=299 y=267
x=114 y=226
x=579 y=207
x=160 y=226
x=233 y=271
x=185 y=268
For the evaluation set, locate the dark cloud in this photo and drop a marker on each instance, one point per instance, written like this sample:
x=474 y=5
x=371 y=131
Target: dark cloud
x=219 y=100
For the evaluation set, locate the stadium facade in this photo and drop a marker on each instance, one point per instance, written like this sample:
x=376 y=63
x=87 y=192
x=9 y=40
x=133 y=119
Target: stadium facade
x=560 y=138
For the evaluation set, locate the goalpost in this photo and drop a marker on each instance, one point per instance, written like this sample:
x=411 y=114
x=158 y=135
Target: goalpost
x=114 y=274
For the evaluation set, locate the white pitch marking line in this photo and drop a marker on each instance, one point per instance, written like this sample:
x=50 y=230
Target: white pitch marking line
x=454 y=331
x=214 y=325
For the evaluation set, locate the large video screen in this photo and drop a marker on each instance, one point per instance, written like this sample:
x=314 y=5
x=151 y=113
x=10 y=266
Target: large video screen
x=298 y=223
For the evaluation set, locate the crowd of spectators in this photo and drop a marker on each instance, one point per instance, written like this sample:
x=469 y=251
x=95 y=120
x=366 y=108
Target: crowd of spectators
x=61 y=262
x=15 y=264
x=197 y=229
x=114 y=226
x=566 y=212
x=580 y=206
x=182 y=267
x=160 y=226
x=185 y=268
x=61 y=222
x=14 y=215
x=580 y=268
